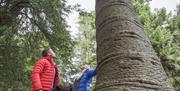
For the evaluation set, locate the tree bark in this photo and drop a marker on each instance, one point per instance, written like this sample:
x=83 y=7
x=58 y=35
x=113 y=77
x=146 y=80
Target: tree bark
x=125 y=57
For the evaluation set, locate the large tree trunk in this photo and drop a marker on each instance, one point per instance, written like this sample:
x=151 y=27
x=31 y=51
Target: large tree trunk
x=125 y=57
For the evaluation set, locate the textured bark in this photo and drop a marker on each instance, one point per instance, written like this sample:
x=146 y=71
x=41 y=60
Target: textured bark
x=125 y=57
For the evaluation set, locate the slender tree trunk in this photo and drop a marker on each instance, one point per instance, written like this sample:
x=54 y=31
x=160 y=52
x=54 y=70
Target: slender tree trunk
x=125 y=57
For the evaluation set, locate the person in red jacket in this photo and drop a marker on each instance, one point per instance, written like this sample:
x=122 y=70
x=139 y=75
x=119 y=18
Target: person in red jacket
x=44 y=75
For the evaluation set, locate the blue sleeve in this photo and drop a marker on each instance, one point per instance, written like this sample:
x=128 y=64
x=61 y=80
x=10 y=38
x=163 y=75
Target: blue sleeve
x=91 y=72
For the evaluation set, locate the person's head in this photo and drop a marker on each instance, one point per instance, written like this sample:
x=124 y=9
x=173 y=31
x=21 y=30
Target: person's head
x=83 y=66
x=48 y=52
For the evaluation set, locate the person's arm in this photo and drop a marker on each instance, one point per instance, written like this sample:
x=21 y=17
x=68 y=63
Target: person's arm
x=81 y=74
x=35 y=76
x=91 y=72
x=56 y=76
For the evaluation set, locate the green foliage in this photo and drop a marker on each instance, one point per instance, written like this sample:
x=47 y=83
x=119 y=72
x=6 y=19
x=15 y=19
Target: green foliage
x=27 y=27
x=86 y=45
x=85 y=48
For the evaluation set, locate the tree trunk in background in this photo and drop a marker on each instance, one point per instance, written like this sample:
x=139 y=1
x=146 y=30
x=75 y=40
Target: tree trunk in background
x=125 y=57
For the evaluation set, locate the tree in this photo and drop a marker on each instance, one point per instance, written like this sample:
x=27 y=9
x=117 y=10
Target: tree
x=162 y=30
x=85 y=50
x=126 y=60
x=26 y=27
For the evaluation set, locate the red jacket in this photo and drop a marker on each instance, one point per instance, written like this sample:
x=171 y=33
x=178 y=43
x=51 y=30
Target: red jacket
x=43 y=74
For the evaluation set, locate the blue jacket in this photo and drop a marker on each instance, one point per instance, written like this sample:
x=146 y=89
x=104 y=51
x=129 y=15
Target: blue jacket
x=86 y=79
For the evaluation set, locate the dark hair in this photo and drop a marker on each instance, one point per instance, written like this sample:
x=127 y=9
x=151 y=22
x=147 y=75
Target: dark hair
x=45 y=53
